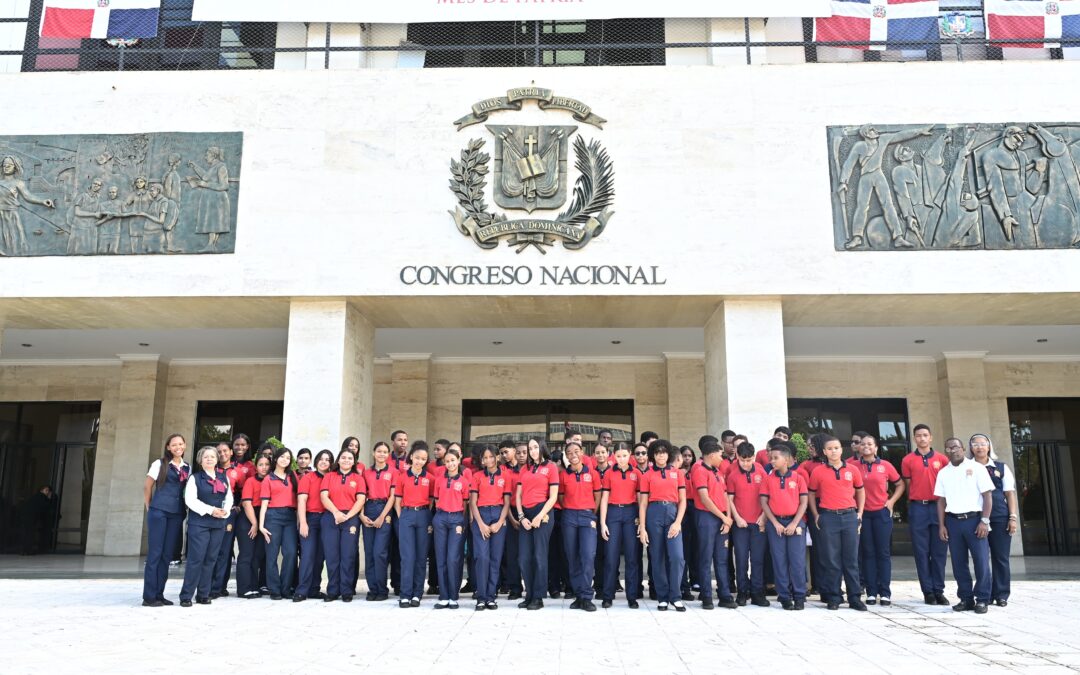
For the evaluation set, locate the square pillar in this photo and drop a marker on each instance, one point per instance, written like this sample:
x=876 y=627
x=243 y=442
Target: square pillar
x=118 y=496
x=964 y=399
x=329 y=376
x=745 y=376
x=686 y=397
x=409 y=394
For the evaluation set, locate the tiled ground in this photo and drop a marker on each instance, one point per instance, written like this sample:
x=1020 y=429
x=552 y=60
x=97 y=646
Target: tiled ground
x=97 y=625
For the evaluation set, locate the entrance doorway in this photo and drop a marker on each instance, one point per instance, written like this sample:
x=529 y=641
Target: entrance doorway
x=1046 y=450
x=492 y=421
x=217 y=421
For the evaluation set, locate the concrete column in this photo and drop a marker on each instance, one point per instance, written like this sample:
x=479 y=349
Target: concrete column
x=686 y=397
x=140 y=410
x=964 y=399
x=745 y=377
x=409 y=394
x=329 y=375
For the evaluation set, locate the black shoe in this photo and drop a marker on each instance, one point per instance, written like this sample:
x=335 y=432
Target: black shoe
x=760 y=601
x=605 y=604
x=832 y=606
x=480 y=606
x=679 y=606
x=152 y=603
x=770 y=590
x=415 y=602
x=707 y=603
x=885 y=602
x=662 y=607
x=941 y=599
x=741 y=599
x=652 y=594
x=514 y=595
x=370 y=597
x=727 y=603
x=381 y=597
x=687 y=595
x=404 y=603
x=964 y=606
x=251 y=595
x=298 y=598
x=202 y=601
x=432 y=590
x=185 y=603
x=468 y=587
x=980 y=608
x=929 y=598
x=492 y=605
x=555 y=594
x=453 y=605
x=346 y=598
x=787 y=604
x=535 y=604
x=857 y=605
x=632 y=604
x=800 y=605
x=588 y=606
x=576 y=604
x=275 y=597
x=618 y=587
x=524 y=604
x=330 y=598
x=871 y=600
x=168 y=603
x=264 y=590
x=999 y=603
x=215 y=596
x=224 y=593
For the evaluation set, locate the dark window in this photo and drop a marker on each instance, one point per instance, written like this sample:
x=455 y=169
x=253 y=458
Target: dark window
x=546 y=43
x=491 y=421
x=218 y=421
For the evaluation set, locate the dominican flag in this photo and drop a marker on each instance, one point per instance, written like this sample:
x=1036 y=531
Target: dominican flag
x=1032 y=20
x=887 y=20
x=103 y=19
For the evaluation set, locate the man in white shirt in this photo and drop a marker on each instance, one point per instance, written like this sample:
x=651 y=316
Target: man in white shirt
x=963 y=489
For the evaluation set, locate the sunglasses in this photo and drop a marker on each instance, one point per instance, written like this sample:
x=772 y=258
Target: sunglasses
x=641 y=454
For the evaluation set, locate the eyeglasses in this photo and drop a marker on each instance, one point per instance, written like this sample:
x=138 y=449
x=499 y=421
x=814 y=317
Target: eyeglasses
x=641 y=454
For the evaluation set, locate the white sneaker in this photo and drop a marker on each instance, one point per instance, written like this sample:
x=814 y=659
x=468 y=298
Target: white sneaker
x=679 y=606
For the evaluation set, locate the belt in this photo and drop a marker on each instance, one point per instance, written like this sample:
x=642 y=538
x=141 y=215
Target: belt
x=660 y=501
x=415 y=508
x=282 y=508
x=621 y=506
x=839 y=512
x=376 y=501
x=790 y=515
x=924 y=501
x=452 y=513
x=965 y=516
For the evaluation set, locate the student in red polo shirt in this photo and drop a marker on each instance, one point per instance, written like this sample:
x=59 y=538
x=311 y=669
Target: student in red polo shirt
x=489 y=504
x=451 y=492
x=685 y=461
x=748 y=538
x=376 y=521
x=510 y=575
x=836 y=505
x=618 y=526
x=309 y=514
x=919 y=470
x=342 y=495
x=661 y=506
x=251 y=547
x=875 y=539
x=780 y=434
x=579 y=488
x=277 y=522
x=537 y=492
x=713 y=525
x=412 y=494
x=223 y=565
x=783 y=502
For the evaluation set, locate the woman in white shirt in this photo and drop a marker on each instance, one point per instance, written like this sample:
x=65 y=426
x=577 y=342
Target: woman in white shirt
x=163 y=499
x=1003 y=515
x=209 y=498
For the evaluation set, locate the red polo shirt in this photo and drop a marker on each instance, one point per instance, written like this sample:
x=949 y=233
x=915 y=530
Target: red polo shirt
x=247 y=470
x=414 y=490
x=451 y=492
x=783 y=493
x=536 y=482
x=252 y=491
x=621 y=486
x=835 y=488
x=378 y=484
x=343 y=489
x=662 y=485
x=691 y=490
x=762 y=456
x=491 y=488
x=311 y=485
x=922 y=471
x=278 y=492
x=876 y=478
x=703 y=476
x=579 y=490
x=513 y=477
x=745 y=490
x=236 y=479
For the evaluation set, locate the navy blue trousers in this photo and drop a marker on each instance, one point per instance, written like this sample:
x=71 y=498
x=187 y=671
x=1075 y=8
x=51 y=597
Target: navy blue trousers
x=281 y=523
x=223 y=565
x=488 y=554
x=1000 y=546
x=665 y=555
x=510 y=576
x=533 y=549
x=249 y=552
x=750 y=544
x=622 y=540
x=413 y=540
x=788 y=561
x=558 y=567
x=164 y=531
x=875 y=545
x=204 y=546
x=377 y=547
x=449 y=551
x=579 y=546
x=839 y=555
x=711 y=554
x=340 y=548
x=963 y=544
x=927 y=547
x=311 y=557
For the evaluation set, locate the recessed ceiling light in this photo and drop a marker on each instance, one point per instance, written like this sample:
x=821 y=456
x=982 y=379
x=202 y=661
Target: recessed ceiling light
x=144 y=344
x=496 y=342
x=920 y=341
x=1041 y=340
x=616 y=342
x=27 y=344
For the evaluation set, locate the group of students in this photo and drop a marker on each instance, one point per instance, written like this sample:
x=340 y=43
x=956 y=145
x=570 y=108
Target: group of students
x=535 y=522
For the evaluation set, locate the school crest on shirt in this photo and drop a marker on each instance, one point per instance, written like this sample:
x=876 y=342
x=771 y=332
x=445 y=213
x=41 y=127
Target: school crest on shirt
x=501 y=482
x=587 y=478
x=757 y=478
x=792 y=485
x=847 y=475
x=387 y=477
x=457 y=486
x=425 y=481
x=352 y=483
x=969 y=473
x=937 y=464
x=542 y=471
x=997 y=474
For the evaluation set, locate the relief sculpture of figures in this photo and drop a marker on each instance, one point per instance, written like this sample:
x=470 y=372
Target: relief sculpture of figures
x=956 y=186
x=118 y=194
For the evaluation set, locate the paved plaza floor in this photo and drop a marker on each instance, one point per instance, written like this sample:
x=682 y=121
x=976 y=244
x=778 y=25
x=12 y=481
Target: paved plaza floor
x=96 y=625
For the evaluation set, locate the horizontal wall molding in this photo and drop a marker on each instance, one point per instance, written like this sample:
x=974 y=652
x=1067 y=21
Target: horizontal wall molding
x=504 y=360
x=15 y=363
x=1033 y=358
x=255 y=361
x=884 y=358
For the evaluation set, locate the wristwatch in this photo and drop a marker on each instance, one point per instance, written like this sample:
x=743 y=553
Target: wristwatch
x=985 y=521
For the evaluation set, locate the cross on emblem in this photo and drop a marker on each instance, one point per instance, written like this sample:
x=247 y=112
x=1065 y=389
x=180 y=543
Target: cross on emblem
x=1052 y=9
x=879 y=11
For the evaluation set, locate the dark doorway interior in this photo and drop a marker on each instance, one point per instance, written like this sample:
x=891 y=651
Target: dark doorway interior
x=218 y=421
x=491 y=421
